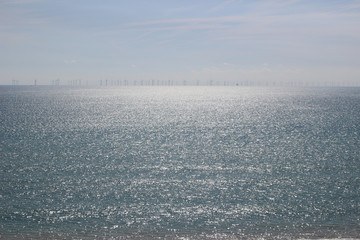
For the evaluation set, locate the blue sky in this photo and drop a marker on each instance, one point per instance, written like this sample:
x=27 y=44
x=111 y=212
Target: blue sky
x=231 y=40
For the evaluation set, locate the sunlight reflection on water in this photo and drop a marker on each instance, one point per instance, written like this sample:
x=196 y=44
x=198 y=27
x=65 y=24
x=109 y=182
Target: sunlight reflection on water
x=198 y=162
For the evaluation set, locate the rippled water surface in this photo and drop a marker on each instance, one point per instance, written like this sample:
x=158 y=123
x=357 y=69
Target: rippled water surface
x=179 y=162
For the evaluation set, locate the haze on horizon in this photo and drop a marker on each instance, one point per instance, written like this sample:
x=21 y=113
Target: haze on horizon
x=289 y=41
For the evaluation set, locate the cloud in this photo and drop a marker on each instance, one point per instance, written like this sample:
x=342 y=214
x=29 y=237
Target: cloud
x=220 y=6
x=16 y=19
x=279 y=74
x=18 y=2
x=355 y=5
x=181 y=21
x=262 y=24
x=71 y=61
x=178 y=10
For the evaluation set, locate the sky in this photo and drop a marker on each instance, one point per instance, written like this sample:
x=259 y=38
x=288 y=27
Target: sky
x=314 y=42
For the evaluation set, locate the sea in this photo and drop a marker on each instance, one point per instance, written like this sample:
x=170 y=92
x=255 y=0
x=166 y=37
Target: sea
x=179 y=162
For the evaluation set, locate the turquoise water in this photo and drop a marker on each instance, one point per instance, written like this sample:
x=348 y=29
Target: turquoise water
x=179 y=162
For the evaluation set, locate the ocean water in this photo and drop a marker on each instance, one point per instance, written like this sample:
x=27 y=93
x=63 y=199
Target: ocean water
x=179 y=163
